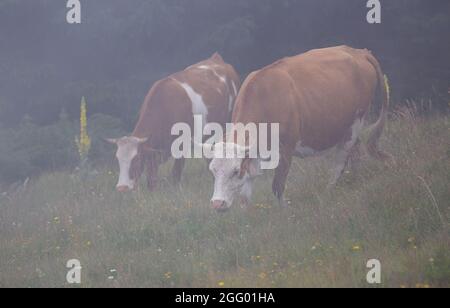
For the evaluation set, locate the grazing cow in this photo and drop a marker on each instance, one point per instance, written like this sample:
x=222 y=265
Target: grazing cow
x=320 y=100
x=208 y=88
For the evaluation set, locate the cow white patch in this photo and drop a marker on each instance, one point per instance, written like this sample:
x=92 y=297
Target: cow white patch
x=232 y=97
x=357 y=128
x=227 y=183
x=127 y=150
x=206 y=67
x=198 y=105
x=304 y=151
x=230 y=103
x=343 y=153
x=221 y=78
x=234 y=88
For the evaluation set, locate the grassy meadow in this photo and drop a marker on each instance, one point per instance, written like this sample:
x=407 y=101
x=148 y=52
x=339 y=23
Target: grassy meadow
x=397 y=213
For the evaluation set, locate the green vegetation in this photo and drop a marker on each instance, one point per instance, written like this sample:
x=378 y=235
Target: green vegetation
x=30 y=149
x=397 y=213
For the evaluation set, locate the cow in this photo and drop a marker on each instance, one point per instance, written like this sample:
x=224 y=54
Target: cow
x=208 y=89
x=320 y=100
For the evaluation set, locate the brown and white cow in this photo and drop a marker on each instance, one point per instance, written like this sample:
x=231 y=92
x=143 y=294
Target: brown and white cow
x=320 y=100
x=208 y=88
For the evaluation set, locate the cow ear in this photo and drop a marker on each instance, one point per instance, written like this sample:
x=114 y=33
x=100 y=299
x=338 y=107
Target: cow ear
x=245 y=167
x=141 y=140
x=249 y=166
x=216 y=56
x=111 y=140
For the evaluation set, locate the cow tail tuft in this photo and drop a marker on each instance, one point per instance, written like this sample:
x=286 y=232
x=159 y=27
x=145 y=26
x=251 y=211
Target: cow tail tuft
x=378 y=127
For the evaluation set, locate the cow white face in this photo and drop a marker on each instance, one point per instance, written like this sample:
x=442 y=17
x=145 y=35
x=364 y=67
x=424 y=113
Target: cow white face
x=130 y=162
x=232 y=176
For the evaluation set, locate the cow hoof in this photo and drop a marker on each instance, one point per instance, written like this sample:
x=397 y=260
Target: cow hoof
x=284 y=203
x=245 y=203
x=331 y=186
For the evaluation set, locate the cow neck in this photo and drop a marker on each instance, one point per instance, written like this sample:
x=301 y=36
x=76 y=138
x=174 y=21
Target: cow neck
x=150 y=124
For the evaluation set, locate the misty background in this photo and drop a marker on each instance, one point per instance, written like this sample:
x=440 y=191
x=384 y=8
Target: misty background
x=122 y=47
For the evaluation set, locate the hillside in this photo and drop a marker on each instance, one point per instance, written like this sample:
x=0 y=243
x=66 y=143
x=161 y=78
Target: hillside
x=397 y=213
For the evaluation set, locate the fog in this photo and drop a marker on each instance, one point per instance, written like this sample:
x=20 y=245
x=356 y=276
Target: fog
x=121 y=48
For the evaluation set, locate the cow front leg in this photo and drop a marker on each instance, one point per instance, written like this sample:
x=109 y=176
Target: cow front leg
x=152 y=176
x=246 y=195
x=281 y=173
x=177 y=170
x=355 y=156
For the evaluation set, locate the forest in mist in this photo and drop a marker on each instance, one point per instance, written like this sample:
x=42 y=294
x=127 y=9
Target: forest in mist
x=121 y=47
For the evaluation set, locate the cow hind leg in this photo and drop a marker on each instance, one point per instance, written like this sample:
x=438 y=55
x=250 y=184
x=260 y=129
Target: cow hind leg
x=342 y=158
x=355 y=155
x=177 y=170
x=152 y=176
x=281 y=173
x=346 y=151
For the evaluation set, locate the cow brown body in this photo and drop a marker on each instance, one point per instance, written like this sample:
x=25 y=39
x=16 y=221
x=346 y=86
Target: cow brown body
x=170 y=101
x=316 y=97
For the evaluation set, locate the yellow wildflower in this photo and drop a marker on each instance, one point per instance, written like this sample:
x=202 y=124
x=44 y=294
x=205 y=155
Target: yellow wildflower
x=388 y=87
x=221 y=284
x=356 y=248
x=83 y=141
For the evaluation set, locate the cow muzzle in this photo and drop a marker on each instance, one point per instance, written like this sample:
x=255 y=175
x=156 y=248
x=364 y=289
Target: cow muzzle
x=123 y=189
x=220 y=205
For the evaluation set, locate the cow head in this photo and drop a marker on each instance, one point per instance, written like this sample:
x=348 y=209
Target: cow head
x=130 y=158
x=233 y=172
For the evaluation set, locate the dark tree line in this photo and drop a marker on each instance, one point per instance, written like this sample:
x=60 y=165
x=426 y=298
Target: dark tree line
x=121 y=47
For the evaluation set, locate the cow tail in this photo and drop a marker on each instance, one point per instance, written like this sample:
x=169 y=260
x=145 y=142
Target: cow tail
x=378 y=127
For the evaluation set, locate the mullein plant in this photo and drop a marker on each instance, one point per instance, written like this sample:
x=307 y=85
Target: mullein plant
x=83 y=141
x=388 y=87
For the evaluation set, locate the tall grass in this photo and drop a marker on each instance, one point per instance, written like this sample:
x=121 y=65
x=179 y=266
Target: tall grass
x=397 y=213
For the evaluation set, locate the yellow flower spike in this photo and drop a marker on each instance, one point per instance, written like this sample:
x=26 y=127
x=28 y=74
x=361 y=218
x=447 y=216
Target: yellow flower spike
x=221 y=284
x=83 y=141
x=388 y=87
